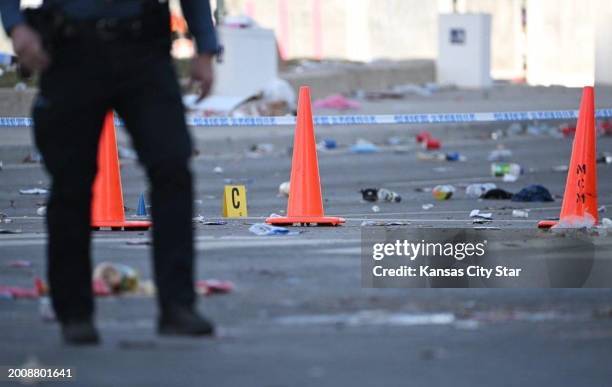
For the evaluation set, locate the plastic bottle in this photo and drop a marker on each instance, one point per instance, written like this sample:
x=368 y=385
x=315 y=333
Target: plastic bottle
x=477 y=190
x=388 y=196
x=263 y=229
x=443 y=192
x=502 y=169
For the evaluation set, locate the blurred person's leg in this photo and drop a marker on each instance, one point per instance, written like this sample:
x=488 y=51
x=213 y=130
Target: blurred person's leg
x=68 y=115
x=149 y=100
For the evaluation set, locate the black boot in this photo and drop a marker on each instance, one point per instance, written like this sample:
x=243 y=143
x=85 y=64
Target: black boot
x=81 y=332
x=184 y=322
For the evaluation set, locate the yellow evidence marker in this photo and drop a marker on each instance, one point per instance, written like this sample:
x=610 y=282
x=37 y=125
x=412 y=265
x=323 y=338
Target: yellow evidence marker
x=234 y=202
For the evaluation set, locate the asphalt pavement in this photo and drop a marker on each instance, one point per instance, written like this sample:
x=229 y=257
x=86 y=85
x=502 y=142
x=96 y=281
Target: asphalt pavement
x=298 y=315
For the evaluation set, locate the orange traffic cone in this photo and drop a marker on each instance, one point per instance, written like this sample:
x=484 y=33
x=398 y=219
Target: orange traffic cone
x=107 y=204
x=579 y=206
x=305 y=202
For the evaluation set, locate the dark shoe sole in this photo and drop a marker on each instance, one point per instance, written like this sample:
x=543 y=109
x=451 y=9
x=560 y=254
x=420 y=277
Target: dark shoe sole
x=173 y=331
x=82 y=341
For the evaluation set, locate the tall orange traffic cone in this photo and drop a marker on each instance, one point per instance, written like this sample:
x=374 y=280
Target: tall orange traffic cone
x=579 y=206
x=107 y=204
x=305 y=201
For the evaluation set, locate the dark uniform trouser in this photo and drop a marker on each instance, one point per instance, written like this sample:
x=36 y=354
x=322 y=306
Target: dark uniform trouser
x=137 y=79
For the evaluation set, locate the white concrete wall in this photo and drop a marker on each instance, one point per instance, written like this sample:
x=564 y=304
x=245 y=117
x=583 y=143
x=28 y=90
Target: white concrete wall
x=464 y=60
x=603 y=46
x=560 y=42
x=568 y=42
x=507 y=38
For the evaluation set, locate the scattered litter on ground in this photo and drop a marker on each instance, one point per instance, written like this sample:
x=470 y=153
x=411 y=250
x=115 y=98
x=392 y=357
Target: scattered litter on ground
x=422 y=136
x=443 y=192
x=388 y=196
x=497 y=194
x=5 y=231
x=606 y=223
x=601 y=209
x=263 y=229
x=533 y=193
x=337 y=102
x=477 y=190
x=327 y=144
x=116 y=277
x=19 y=263
x=213 y=286
x=604 y=159
x=370 y=317
x=41 y=211
x=33 y=157
x=520 y=214
x=364 y=146
x=375 y=209
x=201 y=220
x=455 y=156
x=34 y=191
x=432 y=143
x=278 y=98
x=605 y=127
x=261 y=149
x=217 y=170
x=368 y=223
x=508 y=178
x=500 y=155
x=213 y=222
x=283 y=189
x=380 y=194
x=369 y=194
x=427 y=206
x=430 y=156
x=567 y=130
x=436 y=156
x=16 y=292
x=509 y=171
x=477 y=215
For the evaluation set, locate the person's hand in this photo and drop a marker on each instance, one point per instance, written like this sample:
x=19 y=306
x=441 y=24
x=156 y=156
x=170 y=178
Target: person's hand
x=202 y=74
x=29 y=49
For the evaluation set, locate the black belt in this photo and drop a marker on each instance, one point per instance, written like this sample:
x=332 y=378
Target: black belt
x=108 y=29
x=55 y=27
